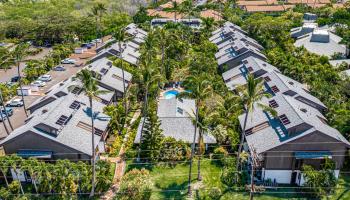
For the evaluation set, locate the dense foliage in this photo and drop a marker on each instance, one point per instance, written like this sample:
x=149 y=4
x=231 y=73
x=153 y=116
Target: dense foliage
x=62 y=177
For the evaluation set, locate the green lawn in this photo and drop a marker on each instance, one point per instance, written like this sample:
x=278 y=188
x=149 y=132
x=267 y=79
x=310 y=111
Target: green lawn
x=171 y=183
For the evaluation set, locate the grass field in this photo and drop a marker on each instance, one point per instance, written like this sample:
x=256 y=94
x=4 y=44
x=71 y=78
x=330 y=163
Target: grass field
x=171 y=183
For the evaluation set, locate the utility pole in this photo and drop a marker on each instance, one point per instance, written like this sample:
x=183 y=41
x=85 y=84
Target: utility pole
x=255 y=163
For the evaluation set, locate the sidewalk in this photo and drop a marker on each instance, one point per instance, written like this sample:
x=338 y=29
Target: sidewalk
x=120 y=164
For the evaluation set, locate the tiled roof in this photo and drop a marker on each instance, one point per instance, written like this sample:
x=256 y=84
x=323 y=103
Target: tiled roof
x=211 y=14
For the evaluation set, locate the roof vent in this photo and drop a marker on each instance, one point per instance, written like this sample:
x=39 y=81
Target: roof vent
x=291 y=83
x=303 y=110
x=320 y=36
x=44 y=111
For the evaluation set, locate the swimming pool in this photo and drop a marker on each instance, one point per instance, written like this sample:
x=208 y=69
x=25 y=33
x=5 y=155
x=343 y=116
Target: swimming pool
x=170 y=94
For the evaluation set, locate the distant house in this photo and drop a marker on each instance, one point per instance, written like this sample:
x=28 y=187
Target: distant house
x=322 y=42
x=238 y=76
x=309 y=17
x=298 y=136
x=211 y=14
x=192 y=22
x=176 y=117
x=59 y=126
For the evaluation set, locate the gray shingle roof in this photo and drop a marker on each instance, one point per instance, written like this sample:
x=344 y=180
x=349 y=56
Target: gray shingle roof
x=285 y=84
x=307 y=118
x=113 y=75
x=176 y=124
x=322 y=48
x=70 y=134
x=238 y=75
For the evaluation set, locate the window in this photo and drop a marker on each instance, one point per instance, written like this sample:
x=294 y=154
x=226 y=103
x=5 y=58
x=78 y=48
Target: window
x=273 y=104
x=284 y=119
x=267 y=79
x=245 y=62
x=62 y=120
x=275 y=89
x=75 y=105
x=180 y=110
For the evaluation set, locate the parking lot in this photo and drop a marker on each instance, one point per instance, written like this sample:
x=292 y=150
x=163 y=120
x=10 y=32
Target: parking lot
x=18 y=117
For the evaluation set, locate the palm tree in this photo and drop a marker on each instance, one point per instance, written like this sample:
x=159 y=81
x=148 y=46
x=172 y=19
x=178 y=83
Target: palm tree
x=200 y=89
x=2 y=104
x=31 y=165
x=97 y=11
x=175 y=8
x=252 y=93
x=4 y=168
x=208 y=24
x=14 y=161
x=90 y=88
x=188 y=8
x=148 y=77
x=5 y=59
x=18 y=55
x=121 y=37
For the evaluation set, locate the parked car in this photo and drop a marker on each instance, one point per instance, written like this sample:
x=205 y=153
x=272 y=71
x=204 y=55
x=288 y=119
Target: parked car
x=68 y=61
x=59 y=68
x=39 y=83
x=2 y=116
x=45 y=78
x=96 y=40
x=8 y=110
x=15 y=103
x=15 y=79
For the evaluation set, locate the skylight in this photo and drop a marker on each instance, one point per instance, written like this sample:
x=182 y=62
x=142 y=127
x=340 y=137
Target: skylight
x=273 y=104
x=62 y=120
x=180 y=110
x=275 y=89
x=76 y=90
x=104 y=71
x=75 y=105
x=284 y=119
x=267 y=79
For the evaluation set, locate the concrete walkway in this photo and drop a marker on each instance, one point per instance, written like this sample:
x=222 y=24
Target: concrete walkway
x=120 y=163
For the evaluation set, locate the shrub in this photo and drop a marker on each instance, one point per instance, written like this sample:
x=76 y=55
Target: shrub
x=220 y=154
x=135 y=185
x=173 y=150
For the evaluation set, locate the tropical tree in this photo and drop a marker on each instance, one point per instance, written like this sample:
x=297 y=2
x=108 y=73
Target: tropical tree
x=4 y=168
x=118 y=118
x=15 y=161
x=208 y=24
x=252 y=93
x=148 y=77
x=188 y=8
x=121 y=37
x=91 y=90
x=152 y=137
x=5 y=59
x=199 y=89
x=97 y=11
x=18 y=55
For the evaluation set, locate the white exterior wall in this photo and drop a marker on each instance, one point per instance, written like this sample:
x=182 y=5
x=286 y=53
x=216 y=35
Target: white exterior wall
x=19 y=175
x=281 y=176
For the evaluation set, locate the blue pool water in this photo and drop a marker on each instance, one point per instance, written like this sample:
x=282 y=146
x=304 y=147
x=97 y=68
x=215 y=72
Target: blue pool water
x=170 y=94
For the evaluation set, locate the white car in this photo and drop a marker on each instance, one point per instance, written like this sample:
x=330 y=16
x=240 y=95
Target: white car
x=45 y=78
x=15 y=103
x=68 y=61
x=39 y=83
